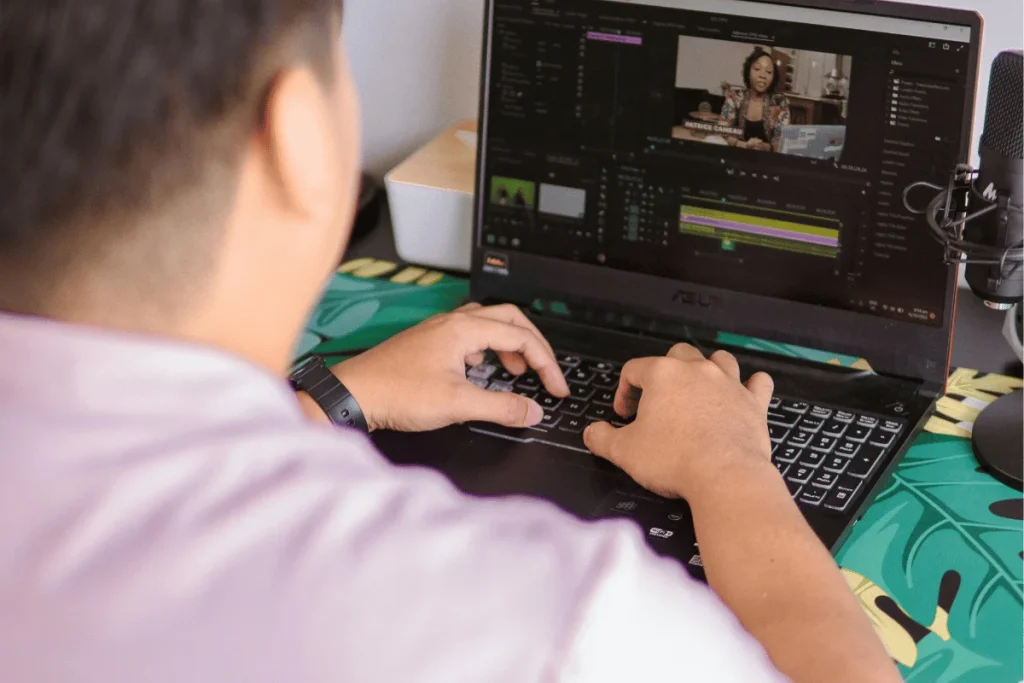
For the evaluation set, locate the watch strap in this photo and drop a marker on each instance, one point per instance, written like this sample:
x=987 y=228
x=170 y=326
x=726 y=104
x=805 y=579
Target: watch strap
x=323 y=386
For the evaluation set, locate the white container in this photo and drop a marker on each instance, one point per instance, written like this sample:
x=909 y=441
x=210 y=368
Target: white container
x=431 y=199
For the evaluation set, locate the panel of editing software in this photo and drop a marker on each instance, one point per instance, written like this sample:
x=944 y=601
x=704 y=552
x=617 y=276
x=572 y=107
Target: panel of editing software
x=735 y=150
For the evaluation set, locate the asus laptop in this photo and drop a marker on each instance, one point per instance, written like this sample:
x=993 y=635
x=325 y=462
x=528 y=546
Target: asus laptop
x=628 y=240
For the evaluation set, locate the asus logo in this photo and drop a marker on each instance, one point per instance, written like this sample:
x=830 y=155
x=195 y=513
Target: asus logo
x=686 y=298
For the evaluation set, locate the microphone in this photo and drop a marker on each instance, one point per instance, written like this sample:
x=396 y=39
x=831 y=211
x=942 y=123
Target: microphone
x=1001 y=182
x=978 y=218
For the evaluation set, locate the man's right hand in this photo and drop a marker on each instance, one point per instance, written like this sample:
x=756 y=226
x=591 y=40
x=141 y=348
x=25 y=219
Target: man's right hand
x=696 y=423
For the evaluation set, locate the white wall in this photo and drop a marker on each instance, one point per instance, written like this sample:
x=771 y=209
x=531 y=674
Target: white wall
x=705 y=63
x=417 y=65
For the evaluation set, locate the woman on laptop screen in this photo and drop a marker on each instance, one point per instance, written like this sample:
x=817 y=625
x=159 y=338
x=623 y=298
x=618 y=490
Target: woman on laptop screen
x=757 y=109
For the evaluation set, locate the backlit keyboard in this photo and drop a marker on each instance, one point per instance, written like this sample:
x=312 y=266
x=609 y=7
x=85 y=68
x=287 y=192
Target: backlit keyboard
x=825 y=454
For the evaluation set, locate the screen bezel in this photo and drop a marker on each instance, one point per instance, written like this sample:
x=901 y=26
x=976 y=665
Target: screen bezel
x=904 y=349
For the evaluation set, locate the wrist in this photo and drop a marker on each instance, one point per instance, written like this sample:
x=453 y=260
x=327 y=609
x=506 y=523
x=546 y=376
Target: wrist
x=321 y=394
x=311 y=409
x=347 y=373
x=748 y=478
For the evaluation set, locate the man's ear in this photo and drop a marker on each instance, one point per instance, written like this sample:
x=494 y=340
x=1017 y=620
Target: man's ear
x=298 y=135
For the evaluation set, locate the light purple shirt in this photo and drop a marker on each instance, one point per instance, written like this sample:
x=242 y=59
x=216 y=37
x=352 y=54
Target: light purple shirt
x=168 y=515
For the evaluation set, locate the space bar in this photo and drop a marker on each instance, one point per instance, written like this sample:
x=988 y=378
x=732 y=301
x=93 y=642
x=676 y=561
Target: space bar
x=558 y=439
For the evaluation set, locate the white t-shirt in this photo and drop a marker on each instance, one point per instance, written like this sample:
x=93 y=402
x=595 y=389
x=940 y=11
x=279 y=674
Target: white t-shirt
x=167 y=515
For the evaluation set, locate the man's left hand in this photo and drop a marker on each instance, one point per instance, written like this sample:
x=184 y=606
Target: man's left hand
x=416 y=381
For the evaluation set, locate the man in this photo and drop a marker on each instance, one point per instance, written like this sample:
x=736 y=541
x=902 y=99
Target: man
x=177 y=181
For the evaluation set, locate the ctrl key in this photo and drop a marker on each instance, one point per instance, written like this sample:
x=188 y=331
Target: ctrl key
x=843 y=494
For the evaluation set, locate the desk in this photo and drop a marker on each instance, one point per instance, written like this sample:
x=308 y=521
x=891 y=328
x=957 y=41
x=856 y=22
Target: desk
x=937 y=560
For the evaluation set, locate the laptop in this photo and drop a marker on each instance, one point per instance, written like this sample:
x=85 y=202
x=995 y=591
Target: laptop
x=814 y=142
x=638 y=240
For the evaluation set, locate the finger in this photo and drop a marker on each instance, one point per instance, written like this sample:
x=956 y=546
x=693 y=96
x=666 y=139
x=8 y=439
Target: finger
x=506 y=338
x=498 y=407
x=762 y=386
x=475 y=359
x=728 y=363
x=631 y=384
x=508 y=313
x=513 y=362
x=685 y=352
x=600 y=439
x=473 y=306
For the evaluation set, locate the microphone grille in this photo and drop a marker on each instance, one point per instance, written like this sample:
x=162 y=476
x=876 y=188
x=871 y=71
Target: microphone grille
x=1004 y=118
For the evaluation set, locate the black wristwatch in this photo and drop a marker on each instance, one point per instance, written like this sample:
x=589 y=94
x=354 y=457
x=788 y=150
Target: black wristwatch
x=317 y=380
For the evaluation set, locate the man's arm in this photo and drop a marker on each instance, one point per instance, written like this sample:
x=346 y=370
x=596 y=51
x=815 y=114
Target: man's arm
x=761 y=557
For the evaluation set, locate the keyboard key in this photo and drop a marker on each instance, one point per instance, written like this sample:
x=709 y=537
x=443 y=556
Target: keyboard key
x=800 y=439
x=529 y=382
x=821 y=413
x=777 y=433
x=574 y=407
x=794 y=488
x=783 y=467
x=849 y=484
x=788 y=420
x=504 y=376
x=567 y=360
x=864 y=463
x=844 y=416
x=837 y=464
x=550 y=420
x=825 y=480
x=526 y=393
x=505 y=387
x=788 y=454
x=825 y=444
x=601 y=366
x=839 y=499
x=811 y=496
x=607 y=381
x=581 y=391
x=800 y=475
x=776 y=403
x=867 y=421
x=893 y=426
x=848 y=449
x=795 y=406
x=482 y=371
x=882 y=438
x=573 y=425
x=547 y=401
x=480 y=382
x=858 y=433
x=579 y=375
x=604 y=398
x=810 y=424
x=600 y=414
x=812 y=459
x=834 y=428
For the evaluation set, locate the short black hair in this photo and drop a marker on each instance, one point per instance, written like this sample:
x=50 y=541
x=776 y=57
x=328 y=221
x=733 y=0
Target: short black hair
x=749 y=64
x=115 y=110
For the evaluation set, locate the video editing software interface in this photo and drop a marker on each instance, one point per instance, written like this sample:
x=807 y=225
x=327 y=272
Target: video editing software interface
x=751 y=147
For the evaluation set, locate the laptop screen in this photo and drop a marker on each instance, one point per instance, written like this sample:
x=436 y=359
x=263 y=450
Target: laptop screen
x=752 y=147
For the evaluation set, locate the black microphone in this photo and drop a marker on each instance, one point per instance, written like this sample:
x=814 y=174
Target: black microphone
x=1000 y=179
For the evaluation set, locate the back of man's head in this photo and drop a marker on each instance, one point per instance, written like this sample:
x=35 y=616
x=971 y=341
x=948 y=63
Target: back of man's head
x=122 y=127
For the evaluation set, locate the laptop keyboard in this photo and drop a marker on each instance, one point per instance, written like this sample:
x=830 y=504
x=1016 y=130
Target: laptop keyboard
x=825 y=454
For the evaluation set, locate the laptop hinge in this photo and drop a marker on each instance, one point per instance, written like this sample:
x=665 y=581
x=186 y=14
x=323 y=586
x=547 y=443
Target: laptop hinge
x=647 y=326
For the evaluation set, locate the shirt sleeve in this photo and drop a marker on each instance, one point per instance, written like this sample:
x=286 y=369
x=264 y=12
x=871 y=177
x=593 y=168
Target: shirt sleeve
x=647 y=620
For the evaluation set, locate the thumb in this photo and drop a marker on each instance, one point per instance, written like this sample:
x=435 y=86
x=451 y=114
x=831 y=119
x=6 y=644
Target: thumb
x=497 y=407
x=600 y=438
